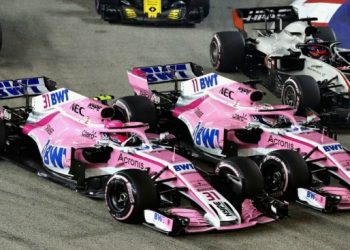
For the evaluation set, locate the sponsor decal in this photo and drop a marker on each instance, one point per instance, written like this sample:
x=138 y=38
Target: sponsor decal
x=49 y=129
x=149 y=147
x=207 y=137
x=223 y=208
x=205 y=82
x=211 y=195
x=76 y=108
x=311 y=195
x=94 y=106
x=52 y=99
x=183 y=167
x=244 y=90
x=16 y=88
x=199 y=113
x=261 y=14
x=130 y=161
x=54 y=156
x=313 y=68
x=333 y=148
x=165 y=73
x=240 y=117
x=227 y=93
x=201 y=185
x=89 y=134
x=280 y=142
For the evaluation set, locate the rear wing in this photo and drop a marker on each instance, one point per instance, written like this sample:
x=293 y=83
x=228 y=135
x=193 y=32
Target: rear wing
x=25 y=87
x=141 y=77
x=263 y=14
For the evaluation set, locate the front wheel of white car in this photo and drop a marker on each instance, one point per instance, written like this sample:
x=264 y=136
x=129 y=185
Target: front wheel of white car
x=128 y=193
x=301 y=92
x=227 y=51
x=284 y=171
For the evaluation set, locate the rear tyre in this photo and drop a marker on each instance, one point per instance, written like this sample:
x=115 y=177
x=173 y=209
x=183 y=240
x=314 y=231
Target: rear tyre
x=128 y=193
x=284 y=171
x=239 y=178
x=3 y=137
x=326 y=34
x=301 y=92
x=227 y=51
x=136 y=109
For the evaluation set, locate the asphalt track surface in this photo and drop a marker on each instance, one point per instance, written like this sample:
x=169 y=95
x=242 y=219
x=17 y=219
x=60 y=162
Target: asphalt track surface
x=67 y=41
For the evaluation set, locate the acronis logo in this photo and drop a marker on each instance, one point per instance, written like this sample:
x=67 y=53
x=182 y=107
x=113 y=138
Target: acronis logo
x=206 y=137
x=53 y=156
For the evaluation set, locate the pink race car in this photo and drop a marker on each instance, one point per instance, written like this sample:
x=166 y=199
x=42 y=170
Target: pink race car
x=78 y=141
x=215 y=118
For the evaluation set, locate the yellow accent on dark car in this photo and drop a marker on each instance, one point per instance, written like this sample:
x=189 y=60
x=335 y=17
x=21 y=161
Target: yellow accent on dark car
x=130 y=13
x=152 y=8
x=174 y=14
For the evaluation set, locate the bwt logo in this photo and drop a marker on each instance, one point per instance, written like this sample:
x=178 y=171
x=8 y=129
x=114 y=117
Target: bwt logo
x=332 y=148
x=158 y=217
x=311 y=195
x=183 y=167
x=207 y=137
x=51 y=99
x=208 y=81
x=53 y=156
x=165 y=73
x=16 y=87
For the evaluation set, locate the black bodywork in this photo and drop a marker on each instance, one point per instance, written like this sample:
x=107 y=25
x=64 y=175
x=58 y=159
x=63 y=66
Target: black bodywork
x=172 y=11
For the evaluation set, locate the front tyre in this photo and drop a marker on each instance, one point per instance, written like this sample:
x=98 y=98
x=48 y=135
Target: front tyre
x=227 y=51
x=301 y=92
x=239 y=178
x=128 y=193
x=284 y=171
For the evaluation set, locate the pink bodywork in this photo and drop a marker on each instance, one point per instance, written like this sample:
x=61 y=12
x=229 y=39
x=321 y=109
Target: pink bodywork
x=209 y=110
x=77 y=123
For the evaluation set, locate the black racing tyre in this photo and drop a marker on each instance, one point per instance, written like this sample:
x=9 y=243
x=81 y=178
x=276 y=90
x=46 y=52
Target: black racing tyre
x=227 y=51
x=326 y=34
x=128 y=193
x=3 y=137
x=136 y=109
x=239 y=178
x=301 y=92
x=284 y=171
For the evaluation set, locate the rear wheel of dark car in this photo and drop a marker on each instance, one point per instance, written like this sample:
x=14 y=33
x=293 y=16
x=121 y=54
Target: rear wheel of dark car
x=284 y=171
x=326 y=34
x=3 y=137
x=301 y=92
x=136 y=109
x=128 y=193
x=227 y=51
x=239 y=178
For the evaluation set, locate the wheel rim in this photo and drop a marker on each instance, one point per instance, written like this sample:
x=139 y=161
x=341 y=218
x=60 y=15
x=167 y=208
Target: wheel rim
x=289 y=96
x=274 y=177
x=214 y=53
x=119 y=198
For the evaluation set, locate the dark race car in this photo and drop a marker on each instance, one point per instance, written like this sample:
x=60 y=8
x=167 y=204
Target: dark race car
x=153 y=11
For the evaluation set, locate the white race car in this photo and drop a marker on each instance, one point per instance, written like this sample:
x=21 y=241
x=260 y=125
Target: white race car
x=304 y=64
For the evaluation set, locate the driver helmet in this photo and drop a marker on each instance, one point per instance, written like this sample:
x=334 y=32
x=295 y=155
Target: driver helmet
x=317 y=51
